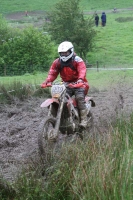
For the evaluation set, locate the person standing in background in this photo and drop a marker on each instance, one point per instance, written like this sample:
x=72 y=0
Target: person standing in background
x=96 y=19
x=26 y=13
x=103 y=19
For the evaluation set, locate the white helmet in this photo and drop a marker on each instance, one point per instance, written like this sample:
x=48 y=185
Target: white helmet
x=64 y=47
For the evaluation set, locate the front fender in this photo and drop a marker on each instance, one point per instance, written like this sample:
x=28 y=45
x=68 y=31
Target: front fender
x=48 y=102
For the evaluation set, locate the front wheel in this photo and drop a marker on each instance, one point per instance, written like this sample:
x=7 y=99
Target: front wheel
x=46 y=130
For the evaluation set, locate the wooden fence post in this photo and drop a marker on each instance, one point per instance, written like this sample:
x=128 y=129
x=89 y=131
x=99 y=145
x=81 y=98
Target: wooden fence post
x=97 y=66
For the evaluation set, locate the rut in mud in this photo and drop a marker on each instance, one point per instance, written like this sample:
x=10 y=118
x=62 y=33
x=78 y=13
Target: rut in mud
x=19 y=125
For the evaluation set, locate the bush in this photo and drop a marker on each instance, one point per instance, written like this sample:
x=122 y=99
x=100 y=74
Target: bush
x=30 y=51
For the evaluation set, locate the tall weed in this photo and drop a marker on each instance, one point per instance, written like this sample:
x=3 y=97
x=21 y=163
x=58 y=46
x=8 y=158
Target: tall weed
x=18 y=91
x=97 y=169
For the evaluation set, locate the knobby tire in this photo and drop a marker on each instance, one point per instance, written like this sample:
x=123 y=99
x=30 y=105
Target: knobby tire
x=42 y=135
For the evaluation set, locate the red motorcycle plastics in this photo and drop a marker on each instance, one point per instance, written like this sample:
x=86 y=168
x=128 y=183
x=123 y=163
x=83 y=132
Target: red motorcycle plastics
x=73 y=100
x=48 y=102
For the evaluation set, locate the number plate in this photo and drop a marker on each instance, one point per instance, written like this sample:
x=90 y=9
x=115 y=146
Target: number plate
x=57 y=90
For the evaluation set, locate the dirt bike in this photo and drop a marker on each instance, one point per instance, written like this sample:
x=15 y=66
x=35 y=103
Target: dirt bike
x=63 y=115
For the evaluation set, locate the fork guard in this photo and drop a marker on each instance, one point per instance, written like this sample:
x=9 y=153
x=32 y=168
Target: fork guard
x=90 y=99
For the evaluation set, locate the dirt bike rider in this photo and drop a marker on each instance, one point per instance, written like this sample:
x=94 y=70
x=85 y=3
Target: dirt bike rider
x=71 y=69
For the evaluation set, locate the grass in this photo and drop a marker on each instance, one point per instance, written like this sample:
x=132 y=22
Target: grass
x=8 y=6
x=27 y=78
x=114 y=45
x=100 y=80
x=16 y=90
x=105 y=78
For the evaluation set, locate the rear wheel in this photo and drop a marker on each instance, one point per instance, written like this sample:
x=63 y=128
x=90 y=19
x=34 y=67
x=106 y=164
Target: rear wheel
x=46 y=129
x=90 y=125
x=90 y=120
x=85 y=133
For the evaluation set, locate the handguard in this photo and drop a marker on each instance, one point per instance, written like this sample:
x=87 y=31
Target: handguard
x=76 y=85
x=83 y=85
x=44 y=85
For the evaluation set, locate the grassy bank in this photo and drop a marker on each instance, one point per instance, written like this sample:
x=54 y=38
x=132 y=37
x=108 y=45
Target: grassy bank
x=100 y=79
x=96 y=169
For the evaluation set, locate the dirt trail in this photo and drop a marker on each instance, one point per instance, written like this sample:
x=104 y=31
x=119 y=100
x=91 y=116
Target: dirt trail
x=41 y=14
x=108 y=11
x=19 y=125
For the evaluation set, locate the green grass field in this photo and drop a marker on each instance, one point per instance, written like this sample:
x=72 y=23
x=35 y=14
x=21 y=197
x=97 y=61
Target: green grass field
x=8 y=6
x=114 y=44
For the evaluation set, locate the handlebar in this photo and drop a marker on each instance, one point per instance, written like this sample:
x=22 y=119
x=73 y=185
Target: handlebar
x=71 y=85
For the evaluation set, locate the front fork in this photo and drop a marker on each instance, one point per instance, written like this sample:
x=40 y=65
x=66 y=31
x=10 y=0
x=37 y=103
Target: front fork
x=58 y=117
x=49 y=110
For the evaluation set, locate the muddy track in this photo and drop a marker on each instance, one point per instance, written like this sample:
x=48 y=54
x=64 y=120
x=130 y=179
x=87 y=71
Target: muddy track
x=19 y=125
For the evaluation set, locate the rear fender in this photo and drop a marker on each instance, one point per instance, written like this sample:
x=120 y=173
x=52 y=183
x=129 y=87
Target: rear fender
x=49 y=101
x=74 y=102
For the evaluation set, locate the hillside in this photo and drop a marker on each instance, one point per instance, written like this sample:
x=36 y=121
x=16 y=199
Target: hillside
x=8 y=6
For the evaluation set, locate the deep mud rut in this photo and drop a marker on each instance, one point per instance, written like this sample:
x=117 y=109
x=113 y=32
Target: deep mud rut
x=19 y=125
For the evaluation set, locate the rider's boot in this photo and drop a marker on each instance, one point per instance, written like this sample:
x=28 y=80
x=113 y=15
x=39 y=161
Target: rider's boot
x=83 y=116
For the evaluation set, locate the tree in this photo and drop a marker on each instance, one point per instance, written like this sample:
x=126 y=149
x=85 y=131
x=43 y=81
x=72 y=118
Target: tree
x=24 y=51
x=67 y=22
